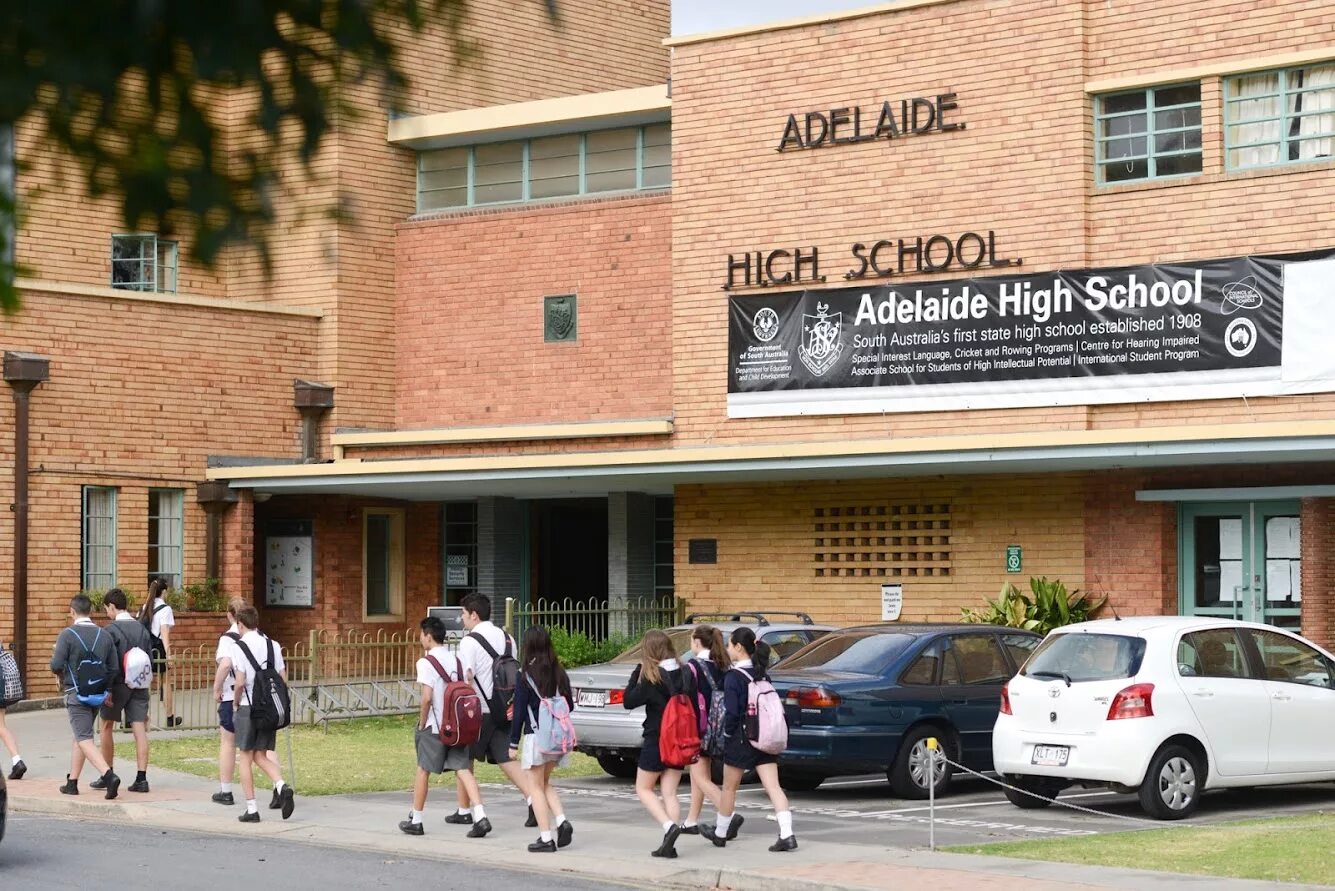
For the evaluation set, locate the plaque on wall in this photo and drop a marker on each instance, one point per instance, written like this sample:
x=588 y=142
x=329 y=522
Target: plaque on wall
x=702 y=550
x=289 y=567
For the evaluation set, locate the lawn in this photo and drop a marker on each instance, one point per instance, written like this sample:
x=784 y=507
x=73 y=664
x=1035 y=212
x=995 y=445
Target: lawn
x=1287 y=849
x=360 y=755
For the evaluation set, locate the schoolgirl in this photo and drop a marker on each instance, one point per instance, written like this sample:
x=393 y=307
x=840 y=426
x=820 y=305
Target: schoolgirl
x=708 y=664
x=653 y=682
x=541 y=677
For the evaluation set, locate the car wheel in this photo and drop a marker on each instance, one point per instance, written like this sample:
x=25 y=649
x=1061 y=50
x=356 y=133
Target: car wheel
x=1025 y=801
x=1173 y=784
x=618 y=766
x=800 y=780
x=908 y=775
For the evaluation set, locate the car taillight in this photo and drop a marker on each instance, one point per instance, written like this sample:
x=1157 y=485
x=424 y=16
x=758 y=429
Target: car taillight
x=1006 y=698
x=616 y=697
x=813 y=697
x=1135 y=701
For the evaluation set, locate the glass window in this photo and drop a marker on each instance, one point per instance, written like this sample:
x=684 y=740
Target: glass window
x=166 y=534
x=784 y=644
x=663 y=532
x=460 y=550
x=1280 y=117
x=980 y=659
x=1079 y=656
x=657 y=155
x=1286 y=659
x=1211 y=654
x=99 y=538
x=553 y=166
x=681 y=643
x=442 y=178
x=498 y=172
x=1148 y=134
x=610 y=160
x=382 y=563
x=868 y=652
x=1020 y=646
x=143 y=263
x=922 y=673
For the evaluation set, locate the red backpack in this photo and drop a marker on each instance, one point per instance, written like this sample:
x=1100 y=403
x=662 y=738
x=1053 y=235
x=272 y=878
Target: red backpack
x=679 y=734
x=461 y=718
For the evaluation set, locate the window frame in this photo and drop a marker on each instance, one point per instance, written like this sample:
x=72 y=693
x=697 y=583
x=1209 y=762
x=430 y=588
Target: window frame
x=153 y=285
x=465 y=548
x=396 y=570
x=1252 y=637
x=1150 y=134
x=1189 y=638
x=942 y=648
x=85 y=545
x=1283 y=92
x=176 y=579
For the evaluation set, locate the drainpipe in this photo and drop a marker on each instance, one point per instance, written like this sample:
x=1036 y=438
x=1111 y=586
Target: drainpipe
x=23 y=372
x=215 y=497
x=312 y=400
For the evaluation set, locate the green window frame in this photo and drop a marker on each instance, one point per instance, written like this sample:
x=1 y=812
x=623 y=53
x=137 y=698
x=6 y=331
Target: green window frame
x=98 y=572
x=1279 y=117
x=664 y=583
x=1148 y=134
x=545 y=168
x=166 y=535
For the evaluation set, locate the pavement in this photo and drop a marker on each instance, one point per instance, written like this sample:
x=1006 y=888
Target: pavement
x=849 y=838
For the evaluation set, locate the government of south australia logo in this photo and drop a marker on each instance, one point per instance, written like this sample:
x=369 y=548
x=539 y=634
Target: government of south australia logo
x=765 y=324
x=1241 y=295
x=821 y=339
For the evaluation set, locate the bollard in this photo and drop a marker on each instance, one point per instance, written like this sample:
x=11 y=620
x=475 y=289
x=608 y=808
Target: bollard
x=931 y=792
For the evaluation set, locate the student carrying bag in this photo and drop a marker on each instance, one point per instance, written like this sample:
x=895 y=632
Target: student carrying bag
x=553 y=734
x=504 y=678
x=679 y=734
x=461 y=718
x=766 y=726
x=89 y=674
x=157 y=649
x=271 y=705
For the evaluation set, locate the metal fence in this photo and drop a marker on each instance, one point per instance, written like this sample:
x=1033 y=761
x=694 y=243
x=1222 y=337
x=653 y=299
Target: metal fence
x=593 y=617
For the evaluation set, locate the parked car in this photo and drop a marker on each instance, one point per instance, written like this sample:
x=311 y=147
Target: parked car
x=1167 y=707
x=867 y=699
x=610 y=733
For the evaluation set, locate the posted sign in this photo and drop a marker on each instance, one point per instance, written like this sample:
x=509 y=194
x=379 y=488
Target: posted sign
x=892 y=602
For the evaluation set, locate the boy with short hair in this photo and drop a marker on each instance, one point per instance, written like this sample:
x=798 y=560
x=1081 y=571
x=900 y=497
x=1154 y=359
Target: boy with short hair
x=126 y=634
x=253 y=743
x=432 y=754
x=81 y=642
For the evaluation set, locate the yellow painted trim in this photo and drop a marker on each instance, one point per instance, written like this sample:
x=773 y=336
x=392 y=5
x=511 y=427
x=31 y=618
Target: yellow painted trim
x=833 y=448
x=541 y=117
x=803 y=21
x=1210 y=69
x=382 y=439
x=82 y=290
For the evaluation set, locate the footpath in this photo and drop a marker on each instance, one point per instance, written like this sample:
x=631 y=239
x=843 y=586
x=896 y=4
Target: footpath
x=603 y=850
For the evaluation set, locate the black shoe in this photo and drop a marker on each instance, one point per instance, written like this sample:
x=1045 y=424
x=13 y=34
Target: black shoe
x=459 y=819
x=690 y=830
x=223 y=798
x=174 y=721
x=735 y=826
x=71 y=787
x=708 y=832
x=249 y=817
x=410 y=828
x=668 y=848
x=542 y=847
x=113 y=784
x=288 y=800
x=564 y=833
x=480 y=828
x=18 y=771
x=532 y=820
x=276 y=802
x=99 y=783
x=139 y=786
x=784 y=844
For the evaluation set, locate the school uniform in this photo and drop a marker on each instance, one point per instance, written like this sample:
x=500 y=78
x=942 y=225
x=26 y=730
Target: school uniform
x=737 y=749
x=527 y=702
x=161 y=616
x=126 y=633
x=707 y=677
x=82 y=640
x=493 y=745
x=227 y=707
x=654 y=698
x=432 y=755
x=250 y=738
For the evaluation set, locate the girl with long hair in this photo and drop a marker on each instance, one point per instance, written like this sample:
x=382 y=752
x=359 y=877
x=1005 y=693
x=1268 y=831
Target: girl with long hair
x=540 y=668
x=653 y=682
x=750 y=659
x=708 y=664
x=157 y=616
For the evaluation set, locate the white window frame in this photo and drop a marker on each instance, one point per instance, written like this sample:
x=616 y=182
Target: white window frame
x=159 y=262
x=89 y=580
x=396 y=571
x=174 y=569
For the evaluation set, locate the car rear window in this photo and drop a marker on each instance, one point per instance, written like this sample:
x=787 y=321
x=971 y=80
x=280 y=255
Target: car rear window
x=1079 y=657
x=681 y=643
x=867 y=652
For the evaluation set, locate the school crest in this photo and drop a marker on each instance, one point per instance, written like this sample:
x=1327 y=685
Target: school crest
x=822 y=339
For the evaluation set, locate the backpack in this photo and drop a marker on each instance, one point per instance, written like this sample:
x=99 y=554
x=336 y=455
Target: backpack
x=553 y=734
x=460 y=723
x=712 y=713
x=504 y=678
x=89 y=674
x=271 y=706
x=136 y=665
x=157 y=651
x=766 y=726
x=679 y=734
x=11 y=680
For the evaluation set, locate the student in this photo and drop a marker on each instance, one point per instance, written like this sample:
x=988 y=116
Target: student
x=159 y=619
x=224 y=687
x=84 y=642
x=124 y=703
x=544 y=677
x=255 y=744
x=708 y=664
x=17 y=767
x=653 y=682
x=432 y=754
x=749 y=660
x=483 y=644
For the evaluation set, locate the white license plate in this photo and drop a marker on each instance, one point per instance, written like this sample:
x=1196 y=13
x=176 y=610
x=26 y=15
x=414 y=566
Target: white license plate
x=1051 y=756
x=592 y=698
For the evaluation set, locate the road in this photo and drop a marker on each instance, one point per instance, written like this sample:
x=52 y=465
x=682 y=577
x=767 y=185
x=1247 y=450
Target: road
x=48 y=853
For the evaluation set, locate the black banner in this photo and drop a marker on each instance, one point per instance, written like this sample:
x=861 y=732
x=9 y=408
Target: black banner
x=1213 y=316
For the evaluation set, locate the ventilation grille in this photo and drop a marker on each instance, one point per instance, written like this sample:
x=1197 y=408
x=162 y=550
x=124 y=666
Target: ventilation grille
x=883 y=541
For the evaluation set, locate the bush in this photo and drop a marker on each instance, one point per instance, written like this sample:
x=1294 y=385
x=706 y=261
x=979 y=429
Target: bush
x=1050 y=606
x=205 y=597
x=575 y=648
x=131 y=599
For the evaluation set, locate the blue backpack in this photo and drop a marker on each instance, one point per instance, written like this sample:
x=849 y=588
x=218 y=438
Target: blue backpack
x=89 y=675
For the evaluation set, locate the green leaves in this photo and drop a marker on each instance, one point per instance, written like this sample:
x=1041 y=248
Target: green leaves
x=1049 y=605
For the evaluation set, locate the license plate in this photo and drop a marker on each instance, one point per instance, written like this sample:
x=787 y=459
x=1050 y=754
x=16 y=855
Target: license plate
x=592 y=698
x=1051 y=756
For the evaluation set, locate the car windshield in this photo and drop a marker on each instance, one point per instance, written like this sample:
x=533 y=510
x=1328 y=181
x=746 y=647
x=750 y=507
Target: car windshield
x=866 y=652
x=681 y=643
x=1079 y=657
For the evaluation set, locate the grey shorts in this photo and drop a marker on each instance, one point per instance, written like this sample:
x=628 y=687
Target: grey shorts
x=433 y=757
x=493 y=746
x=81 y=718
x=250 y=739
x=130 y=704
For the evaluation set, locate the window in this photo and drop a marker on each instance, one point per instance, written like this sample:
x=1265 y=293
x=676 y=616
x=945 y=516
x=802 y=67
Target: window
x=1211 y=654
x=1019 y=646
x=663 y=581
x=143 y=263
x=547 y=167
x=1286 y=659
x=922 y=673
x=979 y=659
x=1079 y=656
x=99 y=538
x=1148 y=134
x=1280 y=117
x=460 y=550
x=784 y=644
x=166 y=533
x=382 y=563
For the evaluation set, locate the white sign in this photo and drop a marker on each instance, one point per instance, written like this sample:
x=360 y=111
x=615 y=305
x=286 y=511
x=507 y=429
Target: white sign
x=892 y=602
x=456 y=571
x=288 y=571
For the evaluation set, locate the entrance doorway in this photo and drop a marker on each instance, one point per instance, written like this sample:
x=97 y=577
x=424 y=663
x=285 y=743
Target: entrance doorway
x=568 y=550
x=1241 y=560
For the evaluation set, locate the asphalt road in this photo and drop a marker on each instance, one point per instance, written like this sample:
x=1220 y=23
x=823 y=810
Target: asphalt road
x=42 y=853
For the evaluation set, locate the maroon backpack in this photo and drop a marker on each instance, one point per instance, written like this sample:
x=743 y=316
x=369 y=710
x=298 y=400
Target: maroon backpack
x=461 y=717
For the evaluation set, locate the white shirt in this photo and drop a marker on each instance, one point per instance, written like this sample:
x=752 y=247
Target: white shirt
x=427 y=676
x=476 y=660
x=256 y=643
x=162 y=618
x=225 y=645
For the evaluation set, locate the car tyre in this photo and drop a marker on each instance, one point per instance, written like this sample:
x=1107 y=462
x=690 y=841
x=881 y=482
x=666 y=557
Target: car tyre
x=619 y=766
x=800 y=780
x=907 y=775
x=1173 y=784
x=1028 y=802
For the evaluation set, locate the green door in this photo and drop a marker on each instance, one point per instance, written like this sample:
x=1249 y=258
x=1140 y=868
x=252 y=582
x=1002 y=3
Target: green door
x=1241 y=560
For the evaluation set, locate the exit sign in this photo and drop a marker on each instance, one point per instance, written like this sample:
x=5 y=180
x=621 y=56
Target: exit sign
x=1014 y=561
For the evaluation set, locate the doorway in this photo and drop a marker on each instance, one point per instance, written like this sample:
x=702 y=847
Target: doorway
x=568 y=550
x=1241 y=560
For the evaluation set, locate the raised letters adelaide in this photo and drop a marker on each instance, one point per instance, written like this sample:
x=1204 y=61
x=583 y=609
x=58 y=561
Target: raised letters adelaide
x=893 y=119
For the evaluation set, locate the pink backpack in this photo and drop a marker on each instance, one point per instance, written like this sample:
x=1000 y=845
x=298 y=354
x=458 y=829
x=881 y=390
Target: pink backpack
x=766 y=726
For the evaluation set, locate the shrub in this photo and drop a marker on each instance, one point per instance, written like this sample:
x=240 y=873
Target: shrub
x=1050 y=606
x=205 y=597
x=575 y=648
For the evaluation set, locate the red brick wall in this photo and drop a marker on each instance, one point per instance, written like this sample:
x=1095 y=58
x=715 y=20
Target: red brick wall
x=1318 y=543
x=1130 y=546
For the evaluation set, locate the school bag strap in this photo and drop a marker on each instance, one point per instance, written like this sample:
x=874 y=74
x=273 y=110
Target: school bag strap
x=490 y=650
x=440 y=669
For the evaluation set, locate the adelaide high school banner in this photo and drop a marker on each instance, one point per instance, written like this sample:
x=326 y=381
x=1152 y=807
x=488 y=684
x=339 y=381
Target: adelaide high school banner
x=1245 y=326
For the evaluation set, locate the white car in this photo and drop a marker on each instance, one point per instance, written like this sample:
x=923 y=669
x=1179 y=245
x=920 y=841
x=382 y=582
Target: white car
x=1167 y=707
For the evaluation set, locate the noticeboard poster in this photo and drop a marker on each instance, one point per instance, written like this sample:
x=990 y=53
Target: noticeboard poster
x=288 y=564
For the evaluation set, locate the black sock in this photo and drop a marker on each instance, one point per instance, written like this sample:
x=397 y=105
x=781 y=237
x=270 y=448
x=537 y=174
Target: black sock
x=141 y=777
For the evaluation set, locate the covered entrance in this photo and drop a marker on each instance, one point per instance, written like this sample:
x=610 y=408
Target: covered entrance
x=567 y=550
x=1241 y=560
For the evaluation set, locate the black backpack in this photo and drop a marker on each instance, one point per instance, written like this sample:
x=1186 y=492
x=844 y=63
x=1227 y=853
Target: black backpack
x=89 y=676
x=157 y=651
x=271 y=706
x=504 y=678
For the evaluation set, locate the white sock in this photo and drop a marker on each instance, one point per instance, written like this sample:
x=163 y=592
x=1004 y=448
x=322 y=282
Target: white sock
x=17 y=759
x=251 y=806
x=278 y=787
x=667 y=825
x=546 y=836
x=560 y=818
x=417 y=818
x=529 y=801
x=687 y=824
x=478 y=813
x=225 y=788
x=465 y=811
x=785 y=823
x=722 y=824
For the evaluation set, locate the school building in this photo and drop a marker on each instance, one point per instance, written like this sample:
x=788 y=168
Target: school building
x=860 y=315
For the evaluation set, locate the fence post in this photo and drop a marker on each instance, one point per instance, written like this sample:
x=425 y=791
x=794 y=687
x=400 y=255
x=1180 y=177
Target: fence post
x=931 y=792
x=510 y=616
x=680 y=606
x=313 y=672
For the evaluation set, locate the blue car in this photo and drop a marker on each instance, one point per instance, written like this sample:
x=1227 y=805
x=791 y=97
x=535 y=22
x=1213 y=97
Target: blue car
x=866 y=699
